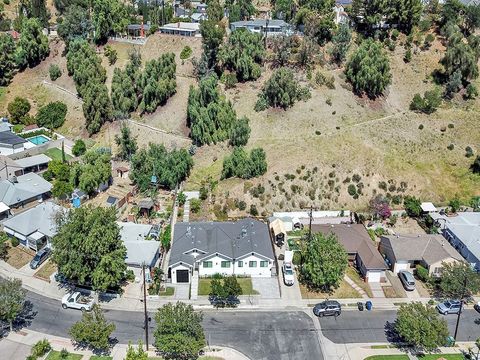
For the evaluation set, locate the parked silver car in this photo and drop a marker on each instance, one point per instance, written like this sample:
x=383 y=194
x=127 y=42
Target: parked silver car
x=449 y=307
x=407 y=280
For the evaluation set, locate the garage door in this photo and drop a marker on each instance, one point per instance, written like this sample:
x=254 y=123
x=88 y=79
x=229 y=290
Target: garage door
x=182 y=276
x=401 y=266
x=374 y=276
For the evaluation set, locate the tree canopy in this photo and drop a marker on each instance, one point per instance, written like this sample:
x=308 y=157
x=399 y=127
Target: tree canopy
x=88 y=248
x=93 y=330
x=210 y=115
x=281 y=90
x=412 y=206
x=341 y=43
x=243 y=53
x=108 y=17
x=420 y=326
x=52 y=115
x=324 y=262
x=244 y=165
x=32 y=46
x=179 y=333
x=368 y=69
x=76 y=24
x=240 y=132
x=18 y=109
x=7 y=59
x=127 y=145
x=12 y=300
x=93 y=169
x=170 y=168
x=459 y=281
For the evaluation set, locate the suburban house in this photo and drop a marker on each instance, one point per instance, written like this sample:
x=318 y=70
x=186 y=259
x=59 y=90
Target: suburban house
x=360 y=248
x=142 y=248
x=404 y=252
x=181 y=28
x=11 y=143
x=428 y=207
x=341 y=16
x=21 y=190
x=462 y=230
x=10 y=168
x=261 y=26
x=239 y=248
x=35 y=227
x=298 y=219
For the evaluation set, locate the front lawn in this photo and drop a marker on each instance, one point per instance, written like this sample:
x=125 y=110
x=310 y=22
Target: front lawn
x=245 y=284
x=357 y=279
x=344 y=291
x=18 y=256
x=46 y=271
x=387 y=357
x=441 y=356
x=100 y=357
x=169 y=291
x=55 y=355
x=56 y=154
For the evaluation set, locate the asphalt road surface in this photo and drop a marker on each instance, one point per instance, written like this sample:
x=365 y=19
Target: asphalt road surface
x=372 y=326
x=259 y=335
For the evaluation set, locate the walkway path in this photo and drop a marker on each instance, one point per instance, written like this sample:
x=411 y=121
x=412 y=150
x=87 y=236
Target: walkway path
x=352 y=283
x=377 y=291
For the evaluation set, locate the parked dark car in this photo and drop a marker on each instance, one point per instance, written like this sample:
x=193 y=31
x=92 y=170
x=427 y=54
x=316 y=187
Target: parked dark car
x=477 y=306
x=328 y=308
x=40 y=257
x=220 y=302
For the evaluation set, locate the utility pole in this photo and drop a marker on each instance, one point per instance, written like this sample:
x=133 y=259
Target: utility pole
x=461 y=307
x=310 y=215
x=145 y=306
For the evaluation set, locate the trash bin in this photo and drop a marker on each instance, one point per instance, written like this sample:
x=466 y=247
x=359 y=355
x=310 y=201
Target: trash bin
x=360 y=305
x=368 y=305
x=450 y=341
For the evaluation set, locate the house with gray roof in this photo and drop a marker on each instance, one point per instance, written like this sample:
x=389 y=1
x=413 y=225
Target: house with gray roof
x=10 y=168
x=262 y=26
x=21 y=190
x=431 y=251
x=240 y=248
x=462 y=230
x=141 y=248
x=35 y=227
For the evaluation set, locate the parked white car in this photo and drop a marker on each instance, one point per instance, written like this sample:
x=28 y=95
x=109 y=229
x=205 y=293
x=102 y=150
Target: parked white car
x=287 y=268
x=77 y=301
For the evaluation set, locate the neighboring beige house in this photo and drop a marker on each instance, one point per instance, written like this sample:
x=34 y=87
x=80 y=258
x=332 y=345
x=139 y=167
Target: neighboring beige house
x=404 y=252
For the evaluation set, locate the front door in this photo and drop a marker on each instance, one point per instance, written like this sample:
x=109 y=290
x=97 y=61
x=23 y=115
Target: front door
x=182 y=276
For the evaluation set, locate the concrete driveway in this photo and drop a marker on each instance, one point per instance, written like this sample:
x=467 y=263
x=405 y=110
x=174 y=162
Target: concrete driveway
x=14 y=350
x=267 y=287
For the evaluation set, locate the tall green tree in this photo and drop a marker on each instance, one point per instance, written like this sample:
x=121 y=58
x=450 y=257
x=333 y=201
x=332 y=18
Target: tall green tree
x=7 y=59
x=32 y=47
x=35 y=9
x=94 y=169
x=12 y=300
x=4 y=246
x=324 y=262
x=240 y=132
x=404 y=13
x=52 y=115
x=243 y=53
x=179 y=333
x=341 y=43
x=210 y=116
x=169 y=168
x=108 y=17
x=93 y=330
x=18 y=109
x=76 y=24
x=412 y=206
x=239 y=9
x=88 y=248
x=367 y=14
x=97 y=107
x=212 y=38
x=368 y=69
x=231 y=286
x=462 y=57
x=244 y=165
x=127 y=145
x=420 y=326
x=459 y=281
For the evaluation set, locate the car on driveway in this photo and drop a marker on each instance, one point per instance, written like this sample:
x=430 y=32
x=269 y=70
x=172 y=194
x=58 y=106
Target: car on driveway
x=288 y=276
x=328 y=308
x=407 y=279
x=39 y=258
x=477 y=306
x=449 y=307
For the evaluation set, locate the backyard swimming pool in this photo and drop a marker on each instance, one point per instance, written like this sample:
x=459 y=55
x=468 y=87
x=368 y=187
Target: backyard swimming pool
x=39 y=139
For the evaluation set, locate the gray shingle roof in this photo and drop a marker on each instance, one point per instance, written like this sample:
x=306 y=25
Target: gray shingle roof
x=9 y=138
x=139 y=250
x=428 y=247
x=28 y=186
x=231 y=239
x=40 y=218
x=33 y=160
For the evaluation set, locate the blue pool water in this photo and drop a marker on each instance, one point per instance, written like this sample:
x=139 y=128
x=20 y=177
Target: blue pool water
x=39 y=139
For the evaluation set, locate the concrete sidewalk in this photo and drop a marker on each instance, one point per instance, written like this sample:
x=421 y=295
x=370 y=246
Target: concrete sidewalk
x=18 y=346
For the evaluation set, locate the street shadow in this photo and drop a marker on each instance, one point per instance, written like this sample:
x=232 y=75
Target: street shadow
x=25 y=318
x=391 y=334
x=100 y=352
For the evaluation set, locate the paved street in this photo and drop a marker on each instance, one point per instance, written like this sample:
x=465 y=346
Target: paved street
x=365 y=327
x=259 y=335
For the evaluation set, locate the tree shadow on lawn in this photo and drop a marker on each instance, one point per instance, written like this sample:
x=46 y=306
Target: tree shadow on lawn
x=100 y=352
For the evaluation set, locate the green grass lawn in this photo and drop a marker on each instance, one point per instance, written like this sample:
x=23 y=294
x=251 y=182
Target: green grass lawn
x=100 y=357
x=55 y=355
x=440 y=356
x=245 y=284
x=56 y=154
x=169 y=291
x=387 y=357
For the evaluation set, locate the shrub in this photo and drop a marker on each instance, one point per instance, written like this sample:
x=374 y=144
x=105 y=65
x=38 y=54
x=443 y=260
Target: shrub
x=79 y=148
x=111 y=54
x=41 y=348
x=422 y=273
x=352 y=190
x=195 y=205
x=424 y=25
x=472 y=91
x=17 y=109
x=395 y=34
x=241 y=205
x=229 y=79
x=356 y=178
x=130 y=275
x=54 y=71
x=420 y=127
x=408 y=55
x=15 y=242
x=428 y=104
x=52 y=115
x=186 y=52
x=297 y=258
x=450 y=147
x=468 y=152
x=253 y=210
x=475 y=167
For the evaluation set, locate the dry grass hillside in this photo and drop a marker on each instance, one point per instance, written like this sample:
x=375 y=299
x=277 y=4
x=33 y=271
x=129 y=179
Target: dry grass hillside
x=315 y=149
